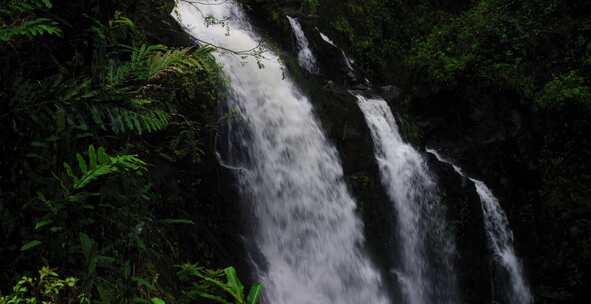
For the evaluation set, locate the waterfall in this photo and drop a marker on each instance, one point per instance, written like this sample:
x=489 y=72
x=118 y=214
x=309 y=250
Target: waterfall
x=500 y=239
x=307 y=242
x=423 y=239
x=326 y=39
x=306 y=58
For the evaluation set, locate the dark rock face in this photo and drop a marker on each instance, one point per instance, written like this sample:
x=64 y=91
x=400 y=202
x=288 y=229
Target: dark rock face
x=538 y=167
x=390 y=92
x=458 y=194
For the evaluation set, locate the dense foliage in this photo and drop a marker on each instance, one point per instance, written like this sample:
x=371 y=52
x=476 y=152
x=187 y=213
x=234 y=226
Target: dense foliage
x=530 y=47
x=102 y=99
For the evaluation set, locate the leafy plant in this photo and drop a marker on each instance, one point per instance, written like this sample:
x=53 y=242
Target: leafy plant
x=311 y=6
x=124 y=100
x=147 y=62
x=220 y=286
x=56 y=206
x=30 y=29
x=22 y=22
x=100 y=164
x=565 y=88
x=136 y=119
x=47 y=288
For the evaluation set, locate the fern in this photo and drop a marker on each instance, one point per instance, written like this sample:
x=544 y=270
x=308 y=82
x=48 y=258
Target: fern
x=180 y=61
x=31 y=29
x=77 y=105
x=148 y=62
x=25 y=24
x=100 y=164
x=119 y=20
x=122 y=120
x=15 y=7
x=219 y=286
x=123 y=98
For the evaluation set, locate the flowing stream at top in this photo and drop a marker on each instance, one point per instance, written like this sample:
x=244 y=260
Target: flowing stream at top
x=307 y=240
x=423 y=240
x=500 y=239
x=306 y=58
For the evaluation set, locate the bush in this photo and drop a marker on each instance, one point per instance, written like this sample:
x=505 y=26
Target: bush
x=564 y=89
x=47 y=288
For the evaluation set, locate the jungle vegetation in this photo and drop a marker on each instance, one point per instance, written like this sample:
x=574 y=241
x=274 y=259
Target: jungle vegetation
x=100 y=99
x=109 y=117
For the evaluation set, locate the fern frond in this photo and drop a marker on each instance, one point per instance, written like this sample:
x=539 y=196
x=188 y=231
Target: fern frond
x=30 y=29
x=17 y=20
x=15 y=7
x=181 y=61
x=101 y=164
x=121 y=120
x=147 y=62
x=175 y=60
x=119 y=20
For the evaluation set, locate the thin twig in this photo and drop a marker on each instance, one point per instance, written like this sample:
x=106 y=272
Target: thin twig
x=250 y=52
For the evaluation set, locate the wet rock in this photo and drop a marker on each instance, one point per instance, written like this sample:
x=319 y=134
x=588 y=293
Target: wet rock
x=390 y=92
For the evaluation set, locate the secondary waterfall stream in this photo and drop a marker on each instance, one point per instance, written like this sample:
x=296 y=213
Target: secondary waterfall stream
x=306 y=58
x=500 y=238
x=423 y=240
x=306 y=232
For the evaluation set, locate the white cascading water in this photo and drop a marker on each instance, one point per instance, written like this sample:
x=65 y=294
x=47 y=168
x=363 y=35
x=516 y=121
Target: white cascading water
x=307 y=237
x=326 y=39
x=306 y=58
x=500 y=239
x=419 y=219
x=348 y=61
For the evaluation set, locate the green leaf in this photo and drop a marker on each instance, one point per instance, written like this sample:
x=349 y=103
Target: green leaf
x=60 y=121
x=178 y=221
x=234 y=283
x=105 y=261
x=255 y=294
x=87 y=244
x=92 y=158
x=47 y=3
x=143 y=282
x=30 y=245
x=103 y=157
x=88 y=247
x=70 y=172
x=92 y=265
x=138 y=300
x=215 y=298
x=41 y=196
x=157 y=301
x=82 y=163
x=42 y=223
x=56 y=229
